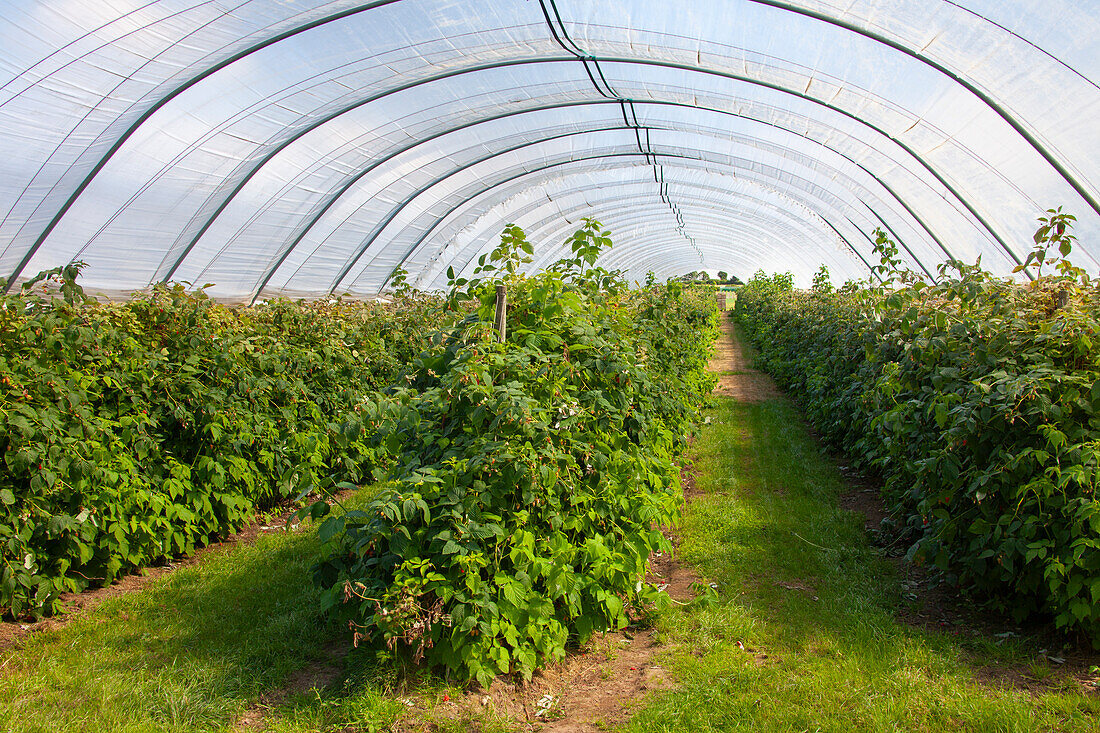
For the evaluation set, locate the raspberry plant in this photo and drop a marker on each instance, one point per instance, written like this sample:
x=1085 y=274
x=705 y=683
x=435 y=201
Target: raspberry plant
x=531 y=475
x=134 y=432
x=978 y=400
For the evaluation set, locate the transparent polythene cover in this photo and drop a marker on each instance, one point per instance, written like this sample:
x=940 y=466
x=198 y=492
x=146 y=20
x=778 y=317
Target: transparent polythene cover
x=309 y=148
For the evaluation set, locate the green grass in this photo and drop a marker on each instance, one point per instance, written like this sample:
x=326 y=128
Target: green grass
x=192 y=651
x=802 y=638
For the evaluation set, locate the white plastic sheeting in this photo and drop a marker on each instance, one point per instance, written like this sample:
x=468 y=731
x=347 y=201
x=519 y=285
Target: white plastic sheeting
x=308 y=147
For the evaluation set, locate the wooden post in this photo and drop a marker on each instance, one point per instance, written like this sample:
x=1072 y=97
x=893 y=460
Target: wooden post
x=501 y=321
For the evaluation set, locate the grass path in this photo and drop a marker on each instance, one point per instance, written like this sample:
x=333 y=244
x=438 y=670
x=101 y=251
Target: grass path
x=803 y=638
x=189 y=652
x=800 y=638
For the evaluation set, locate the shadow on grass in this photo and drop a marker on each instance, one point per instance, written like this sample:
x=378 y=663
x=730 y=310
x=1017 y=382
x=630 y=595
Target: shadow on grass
x=193 y=650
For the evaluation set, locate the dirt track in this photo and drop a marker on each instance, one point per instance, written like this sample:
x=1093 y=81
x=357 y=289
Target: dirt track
x=736 y=378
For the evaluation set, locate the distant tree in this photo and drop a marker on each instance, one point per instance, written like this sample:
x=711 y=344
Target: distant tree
x=695 y=277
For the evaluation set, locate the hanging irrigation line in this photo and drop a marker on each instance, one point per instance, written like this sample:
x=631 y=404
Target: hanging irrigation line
x=343 y=189
x=380 y=227
x=416 y=245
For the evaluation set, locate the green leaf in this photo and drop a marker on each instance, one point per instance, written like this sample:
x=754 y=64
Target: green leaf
x=513 y=593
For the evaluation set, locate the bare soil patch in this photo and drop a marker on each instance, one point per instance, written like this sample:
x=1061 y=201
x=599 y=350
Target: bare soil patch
x=736 y=377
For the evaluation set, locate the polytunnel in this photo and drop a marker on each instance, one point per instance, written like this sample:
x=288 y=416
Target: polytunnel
x=307 y=148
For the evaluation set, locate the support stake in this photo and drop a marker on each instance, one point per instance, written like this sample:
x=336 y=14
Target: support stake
x=501 y=321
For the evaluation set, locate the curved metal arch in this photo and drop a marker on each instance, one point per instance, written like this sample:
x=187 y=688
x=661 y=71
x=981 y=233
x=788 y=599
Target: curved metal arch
x=659 y=260
x=267 y=157
x=346 y=186
x=646 y=62
x=661 y=253
x=417 y=244
x=347 y=12
x=333 y=198
x=1003 y=113
x=642 y=248
x=638 y=248
x=159 y=104
x=644 y=215
x=439 y=220
x=824 y=219
x=793 y=223
x=834 y=108
x=394 y=212
x=561 y=247
x=436 y=269
x=433 y=270
x=564 y=206
x=540 y=227
x=452 y=73
x=564 y=227
x=569 y=59
x=943 y=248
